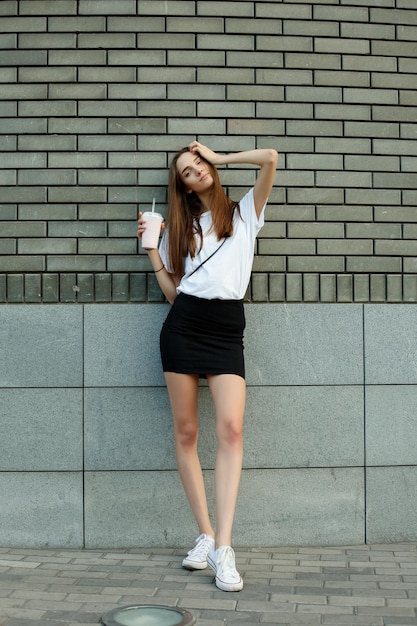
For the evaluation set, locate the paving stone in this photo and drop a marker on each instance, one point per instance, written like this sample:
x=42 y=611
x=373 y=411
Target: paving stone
x=311 y=598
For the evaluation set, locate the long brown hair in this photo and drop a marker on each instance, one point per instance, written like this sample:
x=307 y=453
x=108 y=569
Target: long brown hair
x=184 y=209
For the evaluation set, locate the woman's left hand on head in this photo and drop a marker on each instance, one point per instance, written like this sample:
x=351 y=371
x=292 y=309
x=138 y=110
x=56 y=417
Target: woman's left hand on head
x=198 y=148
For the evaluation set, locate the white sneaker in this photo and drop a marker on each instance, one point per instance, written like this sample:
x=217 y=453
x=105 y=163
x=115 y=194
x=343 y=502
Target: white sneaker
x=197 y=557
x=222 y=562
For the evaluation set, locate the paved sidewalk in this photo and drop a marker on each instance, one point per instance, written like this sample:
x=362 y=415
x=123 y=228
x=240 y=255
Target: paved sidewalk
x=364 y=585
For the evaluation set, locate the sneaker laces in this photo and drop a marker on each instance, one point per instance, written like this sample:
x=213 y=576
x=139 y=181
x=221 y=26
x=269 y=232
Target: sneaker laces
x=226 y=562
x=203 y=545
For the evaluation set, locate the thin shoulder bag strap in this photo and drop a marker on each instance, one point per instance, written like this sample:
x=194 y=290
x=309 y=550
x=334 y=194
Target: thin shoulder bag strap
x=212 y=254
x=205 y=260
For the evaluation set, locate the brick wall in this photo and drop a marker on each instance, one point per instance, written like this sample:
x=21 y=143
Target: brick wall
x=97 y=94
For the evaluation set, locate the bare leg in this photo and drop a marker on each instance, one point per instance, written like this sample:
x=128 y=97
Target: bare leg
x=229 y=394
x=183 y=394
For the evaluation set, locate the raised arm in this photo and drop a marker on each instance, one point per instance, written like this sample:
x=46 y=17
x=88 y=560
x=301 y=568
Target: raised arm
x=265 y=158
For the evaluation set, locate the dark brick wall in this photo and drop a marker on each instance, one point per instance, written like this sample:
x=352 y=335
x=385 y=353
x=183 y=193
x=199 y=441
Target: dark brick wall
x=95 y=96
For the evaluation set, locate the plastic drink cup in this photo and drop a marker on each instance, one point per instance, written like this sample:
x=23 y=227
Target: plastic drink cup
x=150 y=236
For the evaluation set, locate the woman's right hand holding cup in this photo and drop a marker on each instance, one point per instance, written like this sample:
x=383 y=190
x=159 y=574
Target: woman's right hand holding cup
x=150 y=225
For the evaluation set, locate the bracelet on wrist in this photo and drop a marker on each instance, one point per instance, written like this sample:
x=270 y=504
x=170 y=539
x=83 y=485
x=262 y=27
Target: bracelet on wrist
x=160 y=269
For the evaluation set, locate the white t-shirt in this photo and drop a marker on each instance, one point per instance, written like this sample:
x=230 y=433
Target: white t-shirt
x=226 y=275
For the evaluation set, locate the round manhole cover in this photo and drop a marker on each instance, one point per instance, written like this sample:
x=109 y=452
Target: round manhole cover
x=148 y=615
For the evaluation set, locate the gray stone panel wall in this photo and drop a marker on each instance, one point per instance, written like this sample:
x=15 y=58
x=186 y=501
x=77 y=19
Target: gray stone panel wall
x=312 y=346
x=87 y=454
x=54 y=335
x=41 y=509
x=96 y=96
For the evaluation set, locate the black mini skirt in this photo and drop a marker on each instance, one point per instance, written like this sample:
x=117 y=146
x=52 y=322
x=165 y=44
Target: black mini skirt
x=203 y=337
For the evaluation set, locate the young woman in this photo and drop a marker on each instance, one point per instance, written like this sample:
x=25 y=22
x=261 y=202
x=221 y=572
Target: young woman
x=203 y=267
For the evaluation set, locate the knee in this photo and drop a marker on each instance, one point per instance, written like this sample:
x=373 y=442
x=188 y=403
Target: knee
x=231 y=433
x=186 y=435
